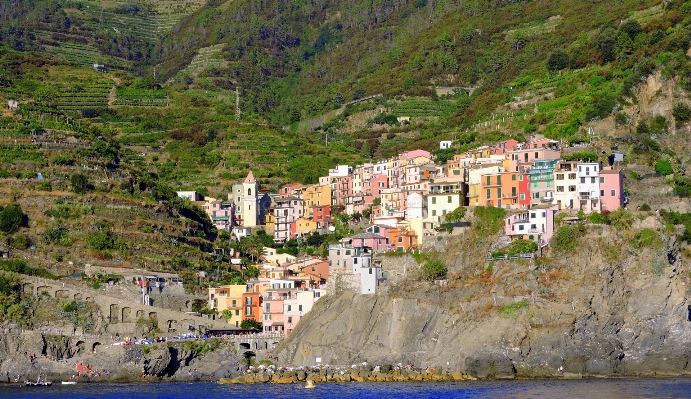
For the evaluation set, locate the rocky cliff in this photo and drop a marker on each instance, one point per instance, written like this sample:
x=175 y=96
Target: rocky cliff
x=25 y=355
x=614 y=307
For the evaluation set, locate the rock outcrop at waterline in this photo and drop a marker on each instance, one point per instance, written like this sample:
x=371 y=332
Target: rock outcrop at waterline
x=609 y=310
x=27 y=354
x=361 y=373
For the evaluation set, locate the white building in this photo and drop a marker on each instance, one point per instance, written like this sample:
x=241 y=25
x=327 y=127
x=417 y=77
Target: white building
x=445 y=144
x=588 y=186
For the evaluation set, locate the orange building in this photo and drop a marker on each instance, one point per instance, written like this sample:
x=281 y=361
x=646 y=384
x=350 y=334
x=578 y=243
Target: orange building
x=402 y=240
x=251 y=306
x=499 y=189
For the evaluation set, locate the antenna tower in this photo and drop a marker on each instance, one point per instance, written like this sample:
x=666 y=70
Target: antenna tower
x=237 y=103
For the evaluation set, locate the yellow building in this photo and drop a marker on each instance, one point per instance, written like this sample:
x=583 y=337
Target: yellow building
x=228 y=297
x=314 y=196
x=304 y=226
x=270 y=220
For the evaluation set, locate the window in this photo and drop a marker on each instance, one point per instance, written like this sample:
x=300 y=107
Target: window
x=299 y=308
x=602 y=193
x=582 y=180
x=456 y=172
x=237 y=312
x=602 y=180
x=248 y=311
x=289 y=308
x=488 y=180
x=434 y=200
x=370 y=271
x=533 y=226
x=572 y=189
x=268 y=308
x=347 y=252
x=520 y=178
x=543 y=214
x=572 y=176
x=521 y=227
x=249 y=191
x=448 y=199
x=248 y=300
x=234 y=303
x=499 y=192
x=513 y=177
x=613 y=193
x=498 y=179
x=400 y=238
x=434 y=213
x=592 y=180
x=522 y=197
x=560 y=176
x=560 y=189
x=532 y=215
x=290 y=319
x=537 y=155
x=489 y=195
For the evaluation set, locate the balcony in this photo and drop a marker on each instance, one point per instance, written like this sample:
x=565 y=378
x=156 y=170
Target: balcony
x=584 y=196
x=542 y=167
x=512 y=195
x=493 y=184
x=521 y=220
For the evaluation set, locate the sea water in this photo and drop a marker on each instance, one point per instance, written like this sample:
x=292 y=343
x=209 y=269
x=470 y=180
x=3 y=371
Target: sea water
x=587 y=388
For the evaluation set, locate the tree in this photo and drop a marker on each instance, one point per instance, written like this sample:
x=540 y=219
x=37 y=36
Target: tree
x=663 y=167
x=11 y=218
x=80 y=183
x=558 y=60
x=250 y=324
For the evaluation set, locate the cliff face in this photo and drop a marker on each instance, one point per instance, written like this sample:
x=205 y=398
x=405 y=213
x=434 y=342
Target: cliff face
x=28 y=354
x=609 y=309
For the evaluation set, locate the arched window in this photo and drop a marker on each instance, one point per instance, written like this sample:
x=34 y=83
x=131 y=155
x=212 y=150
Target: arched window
x=249 y=191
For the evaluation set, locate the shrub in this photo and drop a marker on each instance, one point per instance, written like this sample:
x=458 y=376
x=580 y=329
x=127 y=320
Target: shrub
x=645 y=208
x=54 y=234
x=512 y=307
x=565 y=239
x=488 y=220
x=21 y=241
x=597 y=218
x=456 y=215
x=432 y=269
x=645 y=238
x=681 y=113
x=663 y=167
x=522 y=247
x=621 y=219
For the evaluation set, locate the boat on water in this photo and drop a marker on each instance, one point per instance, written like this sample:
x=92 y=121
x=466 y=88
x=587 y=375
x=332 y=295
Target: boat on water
x=310 y=384
x=38 y=383
x=69 y=382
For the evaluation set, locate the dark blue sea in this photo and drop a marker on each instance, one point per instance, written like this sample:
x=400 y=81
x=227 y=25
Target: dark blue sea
x=611 y=388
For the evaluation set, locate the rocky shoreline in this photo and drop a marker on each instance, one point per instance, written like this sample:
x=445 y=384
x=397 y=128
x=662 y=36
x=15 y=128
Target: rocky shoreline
x=384 y=373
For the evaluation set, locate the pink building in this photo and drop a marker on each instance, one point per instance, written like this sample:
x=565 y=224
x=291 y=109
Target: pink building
x=221 y=214
x=612 y=196
x=414 y=154
x=535 y=224
x=503 y=147
x=289 y=190
x=377 y=242
x=273 y=309
x=525 y=157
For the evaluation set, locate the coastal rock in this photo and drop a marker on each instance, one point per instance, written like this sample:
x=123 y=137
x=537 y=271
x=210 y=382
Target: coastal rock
x=590 y=315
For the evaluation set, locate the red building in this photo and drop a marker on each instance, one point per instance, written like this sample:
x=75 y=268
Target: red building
x=322 y=215
x=524 y=189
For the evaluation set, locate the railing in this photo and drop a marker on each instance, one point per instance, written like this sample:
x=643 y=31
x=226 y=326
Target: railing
x=512 y=195
x=521 y=220
x=489 y=258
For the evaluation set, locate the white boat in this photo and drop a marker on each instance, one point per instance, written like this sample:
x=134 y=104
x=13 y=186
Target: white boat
x=69 y=382
x=38 y=383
